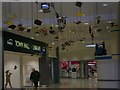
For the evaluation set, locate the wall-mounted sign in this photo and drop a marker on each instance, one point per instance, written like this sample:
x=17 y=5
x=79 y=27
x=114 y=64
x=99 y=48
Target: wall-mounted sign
x=16 y=43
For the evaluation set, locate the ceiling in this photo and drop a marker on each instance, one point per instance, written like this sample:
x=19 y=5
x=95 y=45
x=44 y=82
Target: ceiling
x=26 y=12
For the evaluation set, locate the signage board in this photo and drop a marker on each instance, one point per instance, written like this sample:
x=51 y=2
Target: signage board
x=16 y=43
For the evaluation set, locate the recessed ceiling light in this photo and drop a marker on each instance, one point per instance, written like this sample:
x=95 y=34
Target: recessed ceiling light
x=86 y=23
x=109 y=22
x=40 y=11
x=53 y=43
x=107 y=27
x=105 y=4
x=56 y=25
x=37 y=34
x=90 y=45
x=32 y=37
x=83 y=41
x=73 y=32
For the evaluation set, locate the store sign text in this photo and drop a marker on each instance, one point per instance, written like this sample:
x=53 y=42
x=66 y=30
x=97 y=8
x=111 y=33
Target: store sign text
x=26 y=45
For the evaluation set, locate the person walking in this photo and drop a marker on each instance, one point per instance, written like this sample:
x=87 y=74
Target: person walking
x=35 y=77
x=8 y=81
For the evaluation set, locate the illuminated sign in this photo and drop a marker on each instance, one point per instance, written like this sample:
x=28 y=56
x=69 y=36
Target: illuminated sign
x=16 y=43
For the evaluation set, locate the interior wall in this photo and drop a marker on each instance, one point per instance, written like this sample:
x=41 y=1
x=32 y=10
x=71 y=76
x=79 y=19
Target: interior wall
x=29 y=62
x=11 y=60
x=1 y=66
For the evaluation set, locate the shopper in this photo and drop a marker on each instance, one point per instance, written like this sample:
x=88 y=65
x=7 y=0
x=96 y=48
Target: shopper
x=8 y=76
x=92 y=73
x=35 y=77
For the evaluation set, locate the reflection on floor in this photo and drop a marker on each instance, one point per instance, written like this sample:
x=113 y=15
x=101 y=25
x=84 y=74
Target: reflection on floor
x=73 y=83
x=77 y=83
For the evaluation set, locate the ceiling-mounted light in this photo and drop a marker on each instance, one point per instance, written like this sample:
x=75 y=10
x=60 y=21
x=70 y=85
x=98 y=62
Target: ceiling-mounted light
x=86 y=23
x=105 y=4
x=56 y=25
x=90 y=45
x=40 y=11
x=32 y=37
x=109 y=22
x=37 y=34
x=53 y=43
x=83 y=41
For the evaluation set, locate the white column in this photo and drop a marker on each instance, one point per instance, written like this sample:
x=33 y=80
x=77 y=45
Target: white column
x=108 y=73
x=119 y=42
x=1 y=47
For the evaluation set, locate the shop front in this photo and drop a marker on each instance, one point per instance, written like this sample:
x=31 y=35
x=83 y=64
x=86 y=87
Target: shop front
x=21 y=54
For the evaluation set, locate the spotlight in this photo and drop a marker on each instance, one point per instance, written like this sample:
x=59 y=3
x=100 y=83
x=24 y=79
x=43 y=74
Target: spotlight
x=37 y=22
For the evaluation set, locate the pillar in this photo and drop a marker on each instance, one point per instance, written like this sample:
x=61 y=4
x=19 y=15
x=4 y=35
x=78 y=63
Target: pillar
x=1 y=51
x=56 y=67
x=44 y=68
x=107 y=72
x=119 y=44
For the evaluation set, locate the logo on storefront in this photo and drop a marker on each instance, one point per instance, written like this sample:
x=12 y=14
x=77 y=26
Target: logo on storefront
x=10 y=42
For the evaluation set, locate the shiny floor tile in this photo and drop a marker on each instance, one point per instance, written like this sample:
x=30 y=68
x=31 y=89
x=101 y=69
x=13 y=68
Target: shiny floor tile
x=76 y=83
x=72 y=83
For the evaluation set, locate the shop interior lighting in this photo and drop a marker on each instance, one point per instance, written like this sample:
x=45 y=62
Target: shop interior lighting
x=105 y=4
x=90 y=45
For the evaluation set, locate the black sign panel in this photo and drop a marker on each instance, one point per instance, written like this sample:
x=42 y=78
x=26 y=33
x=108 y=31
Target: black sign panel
x=16 y=43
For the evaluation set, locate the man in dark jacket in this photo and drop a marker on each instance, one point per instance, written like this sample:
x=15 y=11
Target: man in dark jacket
x=35 y=77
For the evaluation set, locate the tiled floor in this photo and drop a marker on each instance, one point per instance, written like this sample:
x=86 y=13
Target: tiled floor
x=72 y=83
x=77 y=83
x=67 y=83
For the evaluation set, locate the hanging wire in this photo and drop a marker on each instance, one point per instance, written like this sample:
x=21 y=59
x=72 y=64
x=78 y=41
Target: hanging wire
x=32 y=12
x=20 y=13
x=95 y=12
x=89 y=17
x=37 y=9
x=9 y=7
x=27 y=15
x=96 y=8
x=111 y=12
x=5 y=6
x=61 y=9
x=70 y=27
